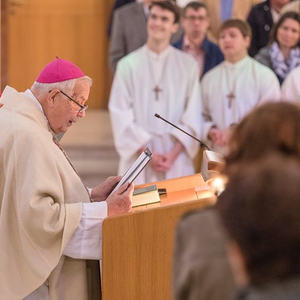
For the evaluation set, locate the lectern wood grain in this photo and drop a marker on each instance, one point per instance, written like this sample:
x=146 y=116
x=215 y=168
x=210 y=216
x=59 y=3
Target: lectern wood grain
x=138 y=247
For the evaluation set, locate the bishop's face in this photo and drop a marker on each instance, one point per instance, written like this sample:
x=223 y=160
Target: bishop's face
x=233 y=44
x=161 y=24
x=62 y=112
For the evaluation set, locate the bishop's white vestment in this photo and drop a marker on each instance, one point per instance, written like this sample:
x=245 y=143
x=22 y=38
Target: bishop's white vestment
x=230 y=91
x=133 y=103
x=47 y=224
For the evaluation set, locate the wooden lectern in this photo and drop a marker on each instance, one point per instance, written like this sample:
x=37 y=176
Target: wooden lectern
x=137 y=248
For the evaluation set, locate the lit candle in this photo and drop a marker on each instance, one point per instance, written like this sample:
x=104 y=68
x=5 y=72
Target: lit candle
x=217 y=184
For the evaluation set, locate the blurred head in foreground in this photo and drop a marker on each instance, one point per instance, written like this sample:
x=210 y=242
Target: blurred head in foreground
x=274 y=126
x=260 y=211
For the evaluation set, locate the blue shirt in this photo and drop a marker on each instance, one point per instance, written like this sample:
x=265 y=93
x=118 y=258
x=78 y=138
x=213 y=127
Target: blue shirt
x=212 y=53
x=226 y=9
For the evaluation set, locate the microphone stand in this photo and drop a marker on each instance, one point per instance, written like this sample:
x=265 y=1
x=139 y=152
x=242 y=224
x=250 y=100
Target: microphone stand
x=201 y=143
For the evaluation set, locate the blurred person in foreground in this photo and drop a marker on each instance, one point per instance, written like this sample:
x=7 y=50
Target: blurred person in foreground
x=260 y=212
x=50 y=223
x=201 y=267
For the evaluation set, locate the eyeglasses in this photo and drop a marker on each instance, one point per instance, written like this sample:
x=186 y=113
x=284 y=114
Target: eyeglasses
x=195 y=18
x=82 y=107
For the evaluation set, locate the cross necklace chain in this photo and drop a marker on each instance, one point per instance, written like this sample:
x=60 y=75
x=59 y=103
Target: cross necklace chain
x=159 y=70
x=231 y=96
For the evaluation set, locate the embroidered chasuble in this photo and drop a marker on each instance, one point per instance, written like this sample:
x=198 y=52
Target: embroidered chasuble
x=291 y=86
x=146 y=83
x=40 y=206
x=230 y=91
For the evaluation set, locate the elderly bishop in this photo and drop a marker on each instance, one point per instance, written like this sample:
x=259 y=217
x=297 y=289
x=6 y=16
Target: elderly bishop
x=50 y=223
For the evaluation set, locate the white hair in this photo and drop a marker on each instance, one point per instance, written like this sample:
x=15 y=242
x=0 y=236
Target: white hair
x=67 y=86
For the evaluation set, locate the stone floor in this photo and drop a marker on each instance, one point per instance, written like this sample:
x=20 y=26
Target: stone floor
x=89 y=144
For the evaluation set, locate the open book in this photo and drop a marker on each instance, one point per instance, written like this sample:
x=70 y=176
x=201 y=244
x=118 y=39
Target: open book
x=145 y=196
x=135 y=169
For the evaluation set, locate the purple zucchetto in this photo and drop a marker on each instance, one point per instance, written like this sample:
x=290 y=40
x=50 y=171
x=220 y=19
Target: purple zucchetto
x=59 y=70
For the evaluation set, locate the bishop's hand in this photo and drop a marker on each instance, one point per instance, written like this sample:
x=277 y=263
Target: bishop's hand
x=119 y=202
x=102 y=190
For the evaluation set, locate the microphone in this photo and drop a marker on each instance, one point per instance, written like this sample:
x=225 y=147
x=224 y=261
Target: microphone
x=201 y=143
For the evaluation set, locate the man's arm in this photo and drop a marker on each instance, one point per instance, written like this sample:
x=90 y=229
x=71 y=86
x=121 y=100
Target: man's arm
x=117 y=4
x=210 y=129
x=252 y=20
x=117 y=47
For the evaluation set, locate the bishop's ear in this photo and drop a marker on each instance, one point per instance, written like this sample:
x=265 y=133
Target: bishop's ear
x=51 y=96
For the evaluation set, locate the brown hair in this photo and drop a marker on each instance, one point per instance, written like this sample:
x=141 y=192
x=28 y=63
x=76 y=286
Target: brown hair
x=288 y=15
x=168 y=5
x=241 y=25
x=260 y=210
x=274 y=126
x=195 y=5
